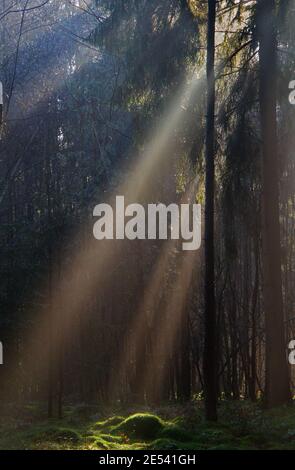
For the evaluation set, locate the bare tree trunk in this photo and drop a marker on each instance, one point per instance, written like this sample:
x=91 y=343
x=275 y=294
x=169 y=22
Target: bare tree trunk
x=254 y=312
x=50 y=263
x=209 y=361
x=277 y=381
x=184 y=387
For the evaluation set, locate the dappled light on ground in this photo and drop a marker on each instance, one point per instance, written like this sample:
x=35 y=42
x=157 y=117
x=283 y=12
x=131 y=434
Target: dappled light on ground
x=242 y=426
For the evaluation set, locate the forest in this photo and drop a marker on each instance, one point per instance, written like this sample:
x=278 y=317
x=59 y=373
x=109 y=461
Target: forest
x=185 y=338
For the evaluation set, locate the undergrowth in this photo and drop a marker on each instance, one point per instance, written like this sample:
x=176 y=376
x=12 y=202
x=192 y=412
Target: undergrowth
x=241 y=425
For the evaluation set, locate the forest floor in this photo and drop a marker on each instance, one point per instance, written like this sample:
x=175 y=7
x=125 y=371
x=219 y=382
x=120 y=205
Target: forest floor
x=241 y=425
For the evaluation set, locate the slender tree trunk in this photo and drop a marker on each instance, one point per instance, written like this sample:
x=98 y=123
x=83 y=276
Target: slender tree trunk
x=209 y=361
x=185 y=360
x=277 y=381
x=61 y=328
x=254 y=311
x=50 y=262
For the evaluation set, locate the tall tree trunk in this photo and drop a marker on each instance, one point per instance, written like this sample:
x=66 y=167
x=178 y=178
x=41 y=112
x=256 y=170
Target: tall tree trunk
x=254 y=322
x=50 y=387
x=277 y=381
x=184 y=387
x=209 y=361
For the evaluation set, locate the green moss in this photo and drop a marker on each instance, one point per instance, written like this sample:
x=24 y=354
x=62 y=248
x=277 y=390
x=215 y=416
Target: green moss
x=57 y=434
x=140 y=426
x=101 y=443
x=210 y=436
x=225 y=446
x=175 y=433
x=164 y=444
x=241 y=426
x=170 y=444
x=107 y=444
x=110 y=422
x=110 y=438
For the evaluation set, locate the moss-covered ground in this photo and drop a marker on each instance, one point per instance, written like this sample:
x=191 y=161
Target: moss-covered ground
x=241 y=426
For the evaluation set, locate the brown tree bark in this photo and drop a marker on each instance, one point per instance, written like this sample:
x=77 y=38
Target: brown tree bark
x=277 y=381
x=209 y=360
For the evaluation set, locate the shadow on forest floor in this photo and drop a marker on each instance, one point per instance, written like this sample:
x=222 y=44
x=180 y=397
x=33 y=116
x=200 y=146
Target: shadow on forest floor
x=241 y=426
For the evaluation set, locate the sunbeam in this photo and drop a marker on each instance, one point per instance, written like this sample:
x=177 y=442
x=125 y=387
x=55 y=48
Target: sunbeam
x=92 y=265
x=169 y=325
x=149 y=309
